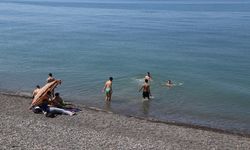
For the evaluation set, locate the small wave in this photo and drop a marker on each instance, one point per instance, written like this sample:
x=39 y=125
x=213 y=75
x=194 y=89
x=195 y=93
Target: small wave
x=180 y=84
x=12 y=93
x=139 y=80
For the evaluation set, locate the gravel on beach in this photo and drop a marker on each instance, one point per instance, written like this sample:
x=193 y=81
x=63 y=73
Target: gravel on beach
x=89 y=129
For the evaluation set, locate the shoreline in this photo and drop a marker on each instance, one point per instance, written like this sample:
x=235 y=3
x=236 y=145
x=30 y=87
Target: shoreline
x=149 y=119
x=95 y=128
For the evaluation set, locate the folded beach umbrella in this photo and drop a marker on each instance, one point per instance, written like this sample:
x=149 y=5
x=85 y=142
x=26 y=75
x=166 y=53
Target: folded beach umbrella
x=43 y=91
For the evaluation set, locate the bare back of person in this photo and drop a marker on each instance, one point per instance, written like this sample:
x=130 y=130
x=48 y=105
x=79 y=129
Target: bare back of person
x=35 y=92
x=146 y=90
x=108 y=89
x=146 y=87
x=50 y=79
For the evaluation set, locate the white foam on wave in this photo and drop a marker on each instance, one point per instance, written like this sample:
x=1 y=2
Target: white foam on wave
x=139 y=80
x=180 y=84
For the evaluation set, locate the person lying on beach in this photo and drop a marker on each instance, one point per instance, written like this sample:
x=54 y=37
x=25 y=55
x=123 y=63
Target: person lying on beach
x=50 y=78
x=35 y=91
x=108 y=89
x=48 y=110
x=146 y=90
x=148 y=76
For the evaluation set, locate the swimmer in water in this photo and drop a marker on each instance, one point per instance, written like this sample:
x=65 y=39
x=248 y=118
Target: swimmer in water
x=169 y=83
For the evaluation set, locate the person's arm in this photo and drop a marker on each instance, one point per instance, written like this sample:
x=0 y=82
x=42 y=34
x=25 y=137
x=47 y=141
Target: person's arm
x=141 y=89
x=33 y=94
x=149 y=91
x=56 y=103
x=104 y=88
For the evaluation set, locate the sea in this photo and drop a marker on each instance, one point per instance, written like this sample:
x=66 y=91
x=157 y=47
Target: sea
x=202 y=46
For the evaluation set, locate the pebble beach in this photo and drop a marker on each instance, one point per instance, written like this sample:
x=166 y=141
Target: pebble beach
x=96 y=129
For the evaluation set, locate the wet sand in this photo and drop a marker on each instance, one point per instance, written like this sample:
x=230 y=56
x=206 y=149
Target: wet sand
x=92 y=129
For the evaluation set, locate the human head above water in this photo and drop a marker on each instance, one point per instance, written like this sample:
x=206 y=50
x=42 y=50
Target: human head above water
x=50 y=74
x=111 y=78
x=38 y=86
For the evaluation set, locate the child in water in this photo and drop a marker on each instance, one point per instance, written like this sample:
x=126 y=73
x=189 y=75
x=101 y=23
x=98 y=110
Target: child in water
x=169 y=83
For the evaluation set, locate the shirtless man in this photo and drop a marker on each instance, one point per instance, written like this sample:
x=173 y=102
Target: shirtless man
x=50 y=78
x=146 y=90
x=108 y=89
x=35 y=91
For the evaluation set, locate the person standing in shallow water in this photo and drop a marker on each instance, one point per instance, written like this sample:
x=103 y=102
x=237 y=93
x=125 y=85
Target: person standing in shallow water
x=50 y=78
x=148 y=76
x=146 y=90
x=108 y=89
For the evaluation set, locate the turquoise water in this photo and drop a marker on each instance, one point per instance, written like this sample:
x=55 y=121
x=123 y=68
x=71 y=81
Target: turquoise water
x=203 y=47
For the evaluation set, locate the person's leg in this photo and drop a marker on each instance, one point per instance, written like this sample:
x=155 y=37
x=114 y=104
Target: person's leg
x=143 y=95
x=107 y=94
x=110 y=95
x=147 y=95
x=63 y=111
x=106 y=97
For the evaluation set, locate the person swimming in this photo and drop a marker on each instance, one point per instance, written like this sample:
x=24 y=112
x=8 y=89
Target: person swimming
x=169 y=83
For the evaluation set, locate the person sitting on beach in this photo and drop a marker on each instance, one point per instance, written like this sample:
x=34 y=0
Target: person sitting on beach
x=146 y=90
x=43 y=106
x=108 y=89
x=50 y=78
x=50 y=110
x=148 y=76
x=35 y=91
x=57 y=101
x=169 y=83
x=48 y=96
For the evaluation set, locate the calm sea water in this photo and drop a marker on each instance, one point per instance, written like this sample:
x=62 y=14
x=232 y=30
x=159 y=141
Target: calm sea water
x=203 y=47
